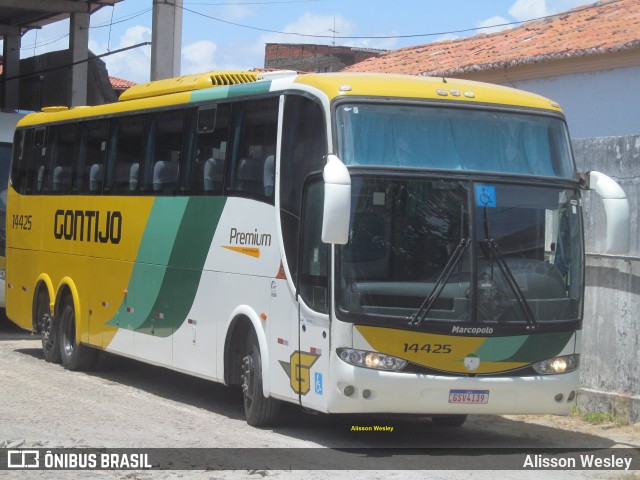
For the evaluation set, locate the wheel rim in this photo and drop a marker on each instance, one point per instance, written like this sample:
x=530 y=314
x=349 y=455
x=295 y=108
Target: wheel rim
x=68 y=331
x=47 y=332
x=248 y=379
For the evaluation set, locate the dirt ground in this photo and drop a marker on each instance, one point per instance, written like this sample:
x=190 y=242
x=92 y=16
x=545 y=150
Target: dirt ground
x=126 y=404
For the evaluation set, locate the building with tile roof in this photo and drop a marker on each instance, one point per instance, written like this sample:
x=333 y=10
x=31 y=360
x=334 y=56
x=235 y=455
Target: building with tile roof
x=588 y=59
x=119 y=84
x=314 y=58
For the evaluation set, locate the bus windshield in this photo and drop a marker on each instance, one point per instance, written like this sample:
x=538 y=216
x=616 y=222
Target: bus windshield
x=412 y=136
x=461 y=251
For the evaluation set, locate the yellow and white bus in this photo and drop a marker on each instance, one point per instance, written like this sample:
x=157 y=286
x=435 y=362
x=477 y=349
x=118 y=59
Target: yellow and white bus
x=8 y=122
x=350 y=243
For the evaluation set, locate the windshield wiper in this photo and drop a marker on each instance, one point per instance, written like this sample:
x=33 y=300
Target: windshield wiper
x=417 y=318
x=522 y=301
x=495 y=253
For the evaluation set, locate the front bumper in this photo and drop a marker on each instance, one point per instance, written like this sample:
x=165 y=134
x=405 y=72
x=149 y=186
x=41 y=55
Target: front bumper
x=391 y=392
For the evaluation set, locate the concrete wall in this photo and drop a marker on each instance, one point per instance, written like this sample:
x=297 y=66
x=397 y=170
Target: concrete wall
x=597 y=104
x=52 y=87
x=611 y=330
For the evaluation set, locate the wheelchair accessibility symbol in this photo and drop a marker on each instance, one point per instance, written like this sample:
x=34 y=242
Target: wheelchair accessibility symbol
x=318 y=383
x=486 y=196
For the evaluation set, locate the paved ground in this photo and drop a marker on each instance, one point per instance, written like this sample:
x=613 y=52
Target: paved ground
x=126 y=404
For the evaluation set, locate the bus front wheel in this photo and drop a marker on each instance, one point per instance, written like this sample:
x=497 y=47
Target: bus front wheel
x=74 y=355
x=259 y=410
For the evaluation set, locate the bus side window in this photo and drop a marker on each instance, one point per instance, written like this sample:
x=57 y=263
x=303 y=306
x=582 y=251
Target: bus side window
x=211 y=150
x=89 y=172
x=21 y=159
x=164 y=158
x=38 y=165
x=61 y=151
x=125 y=150
x=303 y=152
x=314 y=266
x=256 y=125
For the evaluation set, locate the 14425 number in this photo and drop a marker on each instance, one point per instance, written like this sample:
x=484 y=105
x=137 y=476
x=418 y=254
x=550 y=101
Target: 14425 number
x=22 y=222
x=427 y=348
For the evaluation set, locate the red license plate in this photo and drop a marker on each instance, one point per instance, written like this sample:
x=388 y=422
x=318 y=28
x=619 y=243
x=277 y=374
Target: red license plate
x=469 y=396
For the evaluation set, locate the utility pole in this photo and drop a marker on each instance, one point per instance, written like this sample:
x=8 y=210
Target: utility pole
x=166 y=38
x=334 y=32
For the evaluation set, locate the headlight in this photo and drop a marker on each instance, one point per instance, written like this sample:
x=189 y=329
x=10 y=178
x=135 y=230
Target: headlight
x=377 y=361
x=2 y=273
x=556 y=365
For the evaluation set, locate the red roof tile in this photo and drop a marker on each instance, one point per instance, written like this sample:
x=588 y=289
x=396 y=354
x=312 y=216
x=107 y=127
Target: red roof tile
x=605 y=26
x=120 y=83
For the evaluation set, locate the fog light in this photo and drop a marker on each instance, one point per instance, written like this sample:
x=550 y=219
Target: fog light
x=366 y=393
x=571 y=396
x=348 y=390
x=559 y=397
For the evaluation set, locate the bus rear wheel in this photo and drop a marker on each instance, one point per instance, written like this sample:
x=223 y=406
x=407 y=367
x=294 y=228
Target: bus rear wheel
x=259 y=410
x=50 y=339
x=74 y=355
x=46 y=324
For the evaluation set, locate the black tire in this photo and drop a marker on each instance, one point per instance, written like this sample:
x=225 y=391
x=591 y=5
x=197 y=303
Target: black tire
x=449 y=420
x=74 y=355
x=259 y=411
x=50 y=330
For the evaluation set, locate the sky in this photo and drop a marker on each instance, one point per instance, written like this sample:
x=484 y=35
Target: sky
x=231 y=35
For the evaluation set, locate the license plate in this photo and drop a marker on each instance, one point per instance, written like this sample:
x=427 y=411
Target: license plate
x=469 y=396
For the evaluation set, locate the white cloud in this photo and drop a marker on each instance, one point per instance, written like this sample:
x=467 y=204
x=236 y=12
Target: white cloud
x=447 y=37
x=487 y=25
x=523 y=10
x=312 y=24
x=134 y=64
x=323 y=26
x=198 y=57
x=528 y=9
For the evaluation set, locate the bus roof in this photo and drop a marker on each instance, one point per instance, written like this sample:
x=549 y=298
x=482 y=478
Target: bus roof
x=218 y=85
x=420 y=87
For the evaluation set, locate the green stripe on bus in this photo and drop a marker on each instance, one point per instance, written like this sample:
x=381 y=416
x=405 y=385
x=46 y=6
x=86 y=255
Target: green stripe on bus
x=523 y=348
x=496 y=349
x=217 y=93
x=153 y=254
x=541 y=347
x=161 y=230
x=164 y=292
x=184 y=270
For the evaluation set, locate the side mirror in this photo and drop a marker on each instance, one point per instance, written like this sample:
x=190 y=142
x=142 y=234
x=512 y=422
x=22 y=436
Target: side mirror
x=337 y=201
x=616 y=207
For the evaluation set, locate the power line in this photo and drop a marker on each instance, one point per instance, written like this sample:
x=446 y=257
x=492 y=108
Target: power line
x=387 y=37
x=123 y=19
x=38 y=45
x=67 y=65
